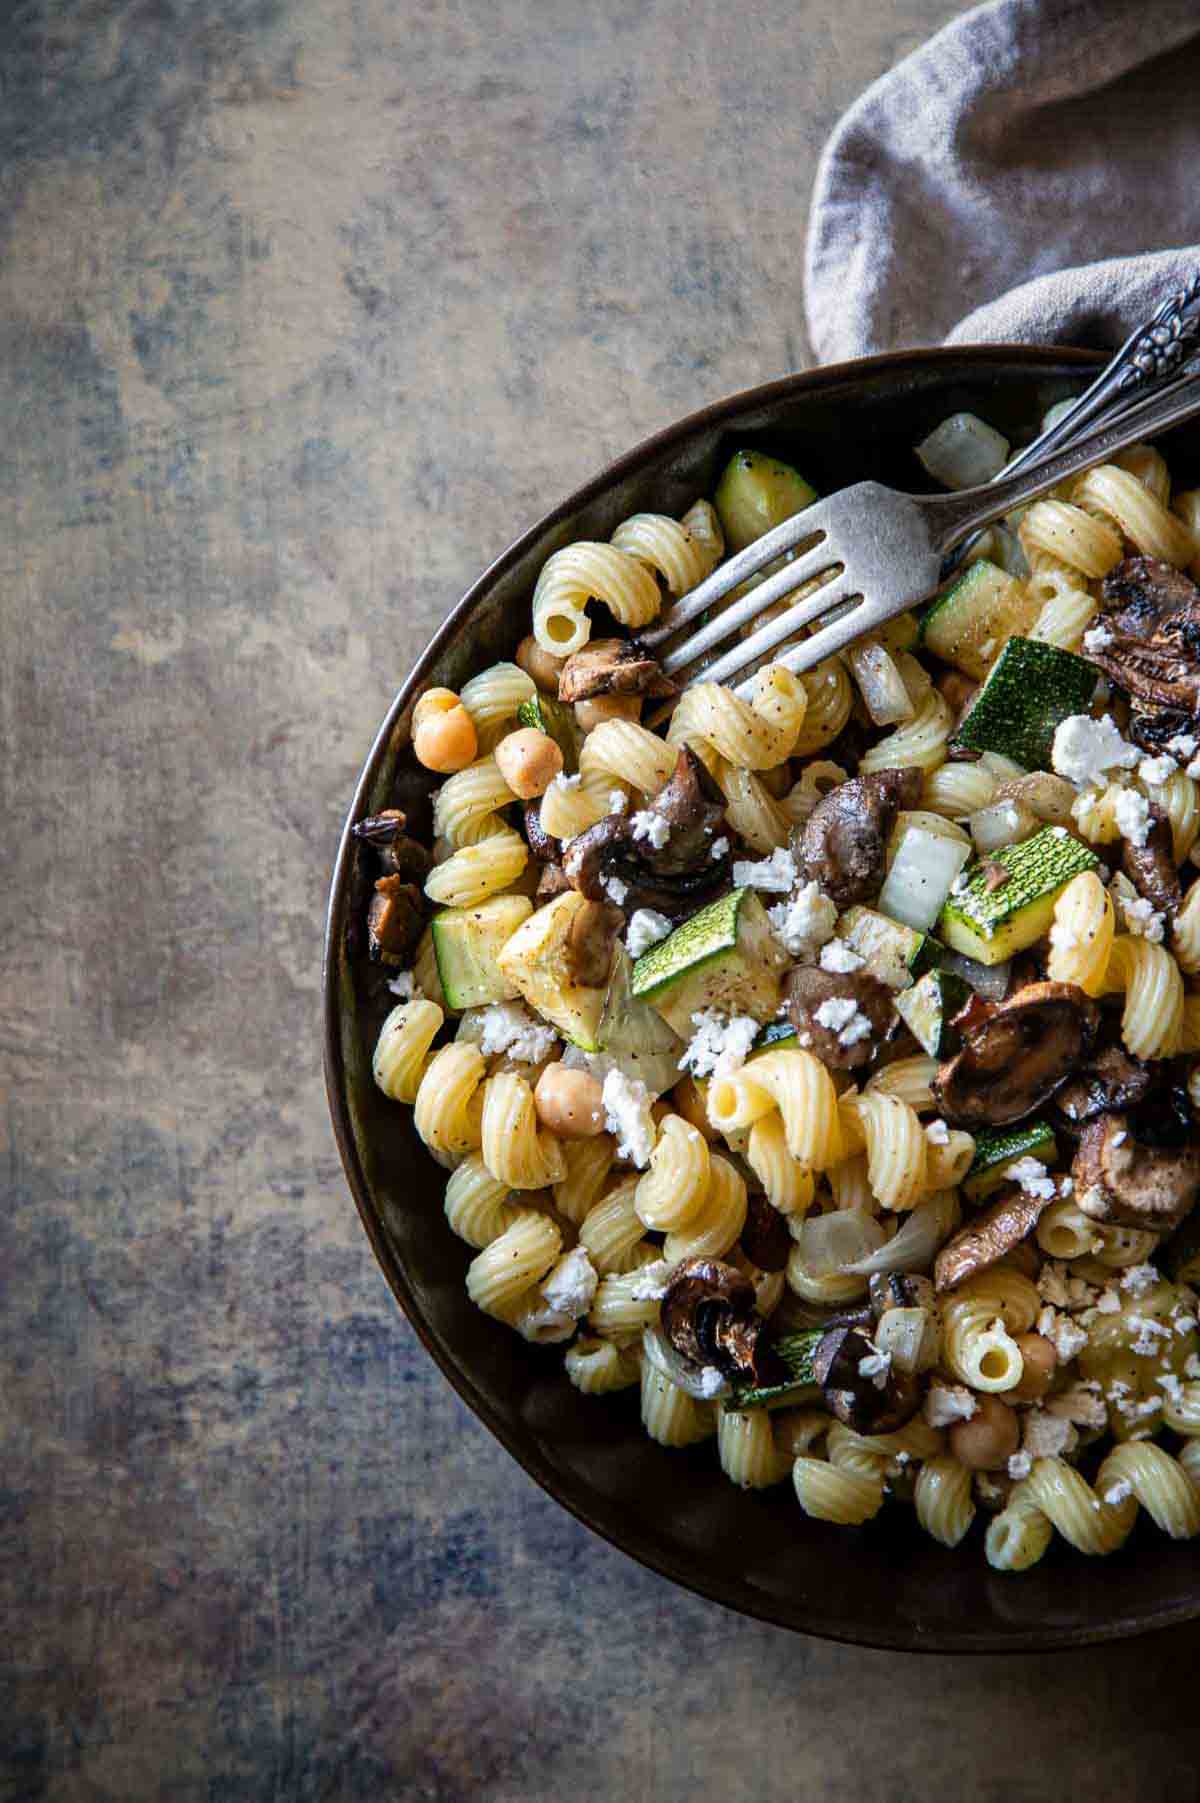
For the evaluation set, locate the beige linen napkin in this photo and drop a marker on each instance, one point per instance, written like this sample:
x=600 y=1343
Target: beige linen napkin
x=1030 y=174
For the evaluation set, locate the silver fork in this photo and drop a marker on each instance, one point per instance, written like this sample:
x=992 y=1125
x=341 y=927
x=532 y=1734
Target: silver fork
x=880 y=552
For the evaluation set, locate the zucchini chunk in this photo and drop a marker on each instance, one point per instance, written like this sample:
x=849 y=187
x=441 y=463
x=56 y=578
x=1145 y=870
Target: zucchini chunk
x=467 y=943
x=892 y=952
x=756 y=493
x=928 y=1008
x=724 y=957
x=634 y=1035
x=969 y=625
x=540 y=961
x=796 y=1351
x=992 y=924
x=997 y=1150
x=1031 y=690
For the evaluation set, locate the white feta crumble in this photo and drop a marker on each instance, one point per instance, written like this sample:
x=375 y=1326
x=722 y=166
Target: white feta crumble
x=627 y=1117
x=947 y=1403
x=1119 y=1137
x=776 y=873
x=618 y=801
x=1097 y=638
x=651 y=828
x=876 y=1365
x=720 y=1043
x=1148 y=1336
x=1081 y=1404
x=1184 y=1324
x=567 y=782
x=962 y=881
x=1108 y=1302
x=805 y=922
x=937 y=1133
x=651 y=1282
x=710 y=1382
x=1183 y=745
x=402 y=985
x=1141 y=919
x=1139 y=1278
x=1059 y=832
x=1020 y=1465
x=1031 y=1175
x=616 y=890
x=646 y=927
x=1118 y=1493
x=718 y=848
x=510 y=1027
x=571 y=1285
x=1066 y=1338
x=1157 y=770
x=841 y=1015
x=1192 y=1368
x=1173 y=1387
x=1084 y=749
x=1131 y=811
x=838 y=957
x=1047 y=1436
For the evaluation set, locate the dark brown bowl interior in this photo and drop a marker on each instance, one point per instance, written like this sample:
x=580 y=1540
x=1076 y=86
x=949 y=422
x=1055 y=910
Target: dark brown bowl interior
x=885 y=1585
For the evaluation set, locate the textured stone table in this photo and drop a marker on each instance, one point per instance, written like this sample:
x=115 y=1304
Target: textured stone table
x=306 y=308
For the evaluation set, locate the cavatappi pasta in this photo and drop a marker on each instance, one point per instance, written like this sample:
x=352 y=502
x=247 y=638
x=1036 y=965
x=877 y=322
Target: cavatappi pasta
x=724 y=1013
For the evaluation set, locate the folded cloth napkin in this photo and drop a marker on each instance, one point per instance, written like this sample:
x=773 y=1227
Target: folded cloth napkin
x=1030 y=174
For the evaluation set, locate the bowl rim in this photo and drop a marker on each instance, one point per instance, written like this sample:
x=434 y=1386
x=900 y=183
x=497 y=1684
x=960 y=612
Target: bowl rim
x=637 y=1541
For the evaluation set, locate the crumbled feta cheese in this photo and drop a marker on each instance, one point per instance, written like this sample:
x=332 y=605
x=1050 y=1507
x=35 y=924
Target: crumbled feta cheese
x=876 y=1365
x=1118 y=1493
x=1047 y=1436
x=1183 y=745
x=646 y=927
x=1059 y=832
x=571 y=1285
x=1066 y=1338
x=402 y=985
x=1192 y=1367
x=1031 y=1174
x=777 y=873
x=618 y=801
x=1119 y=1137
x=651 y=1282
x=710 y=1382
x=616 y=890
x=1184 y=1324
x=1149 y=1333
x=1084 y=749
x=720 y=1043
x=805 y=922
x=1097 y=639
x=1157 y=770
x=651 y=828
x=1141 y=919
x=839 y=957
x=719 y=848
x=1131 y=812
x=842 y=1015
x=1173 y=1387
x=509 y=1027
x=962 y=881
x=1108 y=1302
x=1080 y=1404
x=937 y=1133
x=568 y=782
x=947 y=1403
x=1138 y=1279
x=627 y=1116
x=1020 y=1465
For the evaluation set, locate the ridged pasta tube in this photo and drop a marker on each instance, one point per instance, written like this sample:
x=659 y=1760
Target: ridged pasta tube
x=683 y=559
x=611 y=1229
x=467 y=798
x=956 y=790
x=1152 y=1021
x=829 y=696
x=1098 y=1521
x=1113 y=494
x=747 y=1450
x=598 y=1367
x=829 y=1494
x=403 y=1046
x=1064 y=1232
x=674 y=1189
x=617 y=1311
x=896 y=1148
x=669 y=1414
x=581 y=573
x=512 y=1146
x=477 y=871
x=756 y=735
x=478 y=1205
x=980 y=1322
x=499 y=1276
x=910 y=1079
x=587 y=1164
x=919 y=743
x=1067 y=610
x=621 y=751
x=1185 y=940
x=750 y=809
x=448 y=1109
x=944 y=1502
x=719 y=1221
x=1179 y=800
x=1071 y=536
x=1082 y=933
x=788 y=1183
x=800 y=1087
x=492 y=699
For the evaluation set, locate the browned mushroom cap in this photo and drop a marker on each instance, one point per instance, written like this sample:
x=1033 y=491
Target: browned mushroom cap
x=708 y=1315
x=988 y=1237
x=898 y=1289
x=589 y=944
x=1110 y=1080
x=766 y=1239
x=399 y=854
x=1015 y=1053
x=553 y=881
x=542 y=845
x=809 y=988
x=1122 y=1178
x=674 y=878
x=1151 y=613
x=1151 y=867
x=694 y=809
x=854 y=1398
x=612 y=667
x=843 y=846
x=394 y=920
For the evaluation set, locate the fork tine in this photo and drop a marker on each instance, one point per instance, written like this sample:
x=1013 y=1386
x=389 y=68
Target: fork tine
x=748 y=651
x=823 y=643
x=807 y=524
x=727 y=623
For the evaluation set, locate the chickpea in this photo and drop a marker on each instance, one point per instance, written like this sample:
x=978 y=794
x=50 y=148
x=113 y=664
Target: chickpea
x=1040 y=1361
x=691 y=1101
x=607 y=707
x=569 y=1103
x=541 y=664
x=988 y=1440
x=529 y=761
x=443 y=732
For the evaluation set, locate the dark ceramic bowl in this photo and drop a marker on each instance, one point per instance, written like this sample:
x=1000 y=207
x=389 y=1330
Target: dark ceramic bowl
x=885 y=1585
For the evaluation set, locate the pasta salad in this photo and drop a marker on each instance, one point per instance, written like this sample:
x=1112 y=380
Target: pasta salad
x=822 y=1064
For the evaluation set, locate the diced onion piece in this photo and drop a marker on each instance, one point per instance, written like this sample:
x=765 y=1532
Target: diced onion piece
x=884 y=692
x=916 y=887
x=912 y=1249
x=915 y=677
x=838 y=1241
x=963 y=452
x=1001 y=823
x=676 y=1369
x=1049 y=797
x=988 y=980
x=909 y=1336
x=1008 y=552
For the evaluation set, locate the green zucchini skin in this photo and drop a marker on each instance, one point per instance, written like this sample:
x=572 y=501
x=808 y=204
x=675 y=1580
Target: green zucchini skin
x=796 y=1350
x=1031 y=690
x=929 y=1008
x=990 y=925
x=969 y=623
x=996 y=1151
x=725 y=956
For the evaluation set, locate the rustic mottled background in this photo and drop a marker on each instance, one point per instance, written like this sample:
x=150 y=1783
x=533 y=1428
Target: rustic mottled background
x=306 y=307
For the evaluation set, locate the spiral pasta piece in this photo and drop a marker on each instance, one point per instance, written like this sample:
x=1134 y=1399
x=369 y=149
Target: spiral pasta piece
x=512 y=1145
x=747 y=1450
x=581 y=573
x=944 y=1501
x=1098 y=1521
x=1185 y=939
x=611 y=1229
x=752 y=812
x=1149 y=467
x=756 y=734
x=800 y=1087
x=828 y=1494
x=675 y=1186
x=402 y=1049
x=788 y=1184
x=669 y=1414
x=1071 y=536
x=448 y=1110
x=478 y=1205
x=1067 y=609
x=910 y=1079
x=1179 y=800
x=476 y=871
x=718 y=1224
x=980 y=1322
x=617 y=1310
x=896 y=1147
x=683 y=558
x=1018 y=1537
x=829 y=697
x=587 y=1163
x=1111 y=493
x=467 y=798
x=499 y=1276
x=1152 y=1021
x=956 y=790
x=492 y=699
x=920 y=743
x=1064 y=1231
x=1082 y=933
x=598 y=1367
x=567 y=808
x=621 y=751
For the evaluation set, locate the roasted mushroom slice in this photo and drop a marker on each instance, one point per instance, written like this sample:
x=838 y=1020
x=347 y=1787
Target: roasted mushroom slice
x=843 y=1366
x=553 y=881
x=1111 y=1080
x=543 y=846
x=843 y=845
x=394 y=920
x=588 y=950
x=988 y=1237
x=693 y=808
x=766 y=1240
x=1150 y=623
x=1015 y=1053
x=399 y=854
x=842 y=1045
x=612 y=667
x=670 y=869
x=1140 y=1169
x=708 y=1315
x=1151 y=867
